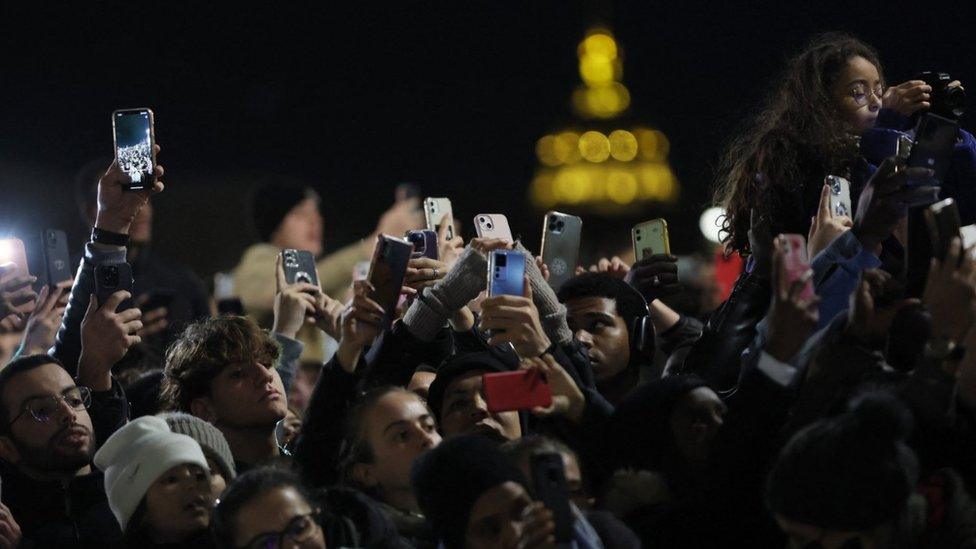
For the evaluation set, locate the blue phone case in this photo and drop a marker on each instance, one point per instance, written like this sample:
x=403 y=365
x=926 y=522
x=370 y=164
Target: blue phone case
x=506 y=273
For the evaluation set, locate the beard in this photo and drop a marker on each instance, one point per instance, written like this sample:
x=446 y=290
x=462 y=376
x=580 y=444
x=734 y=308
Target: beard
x=52 y=459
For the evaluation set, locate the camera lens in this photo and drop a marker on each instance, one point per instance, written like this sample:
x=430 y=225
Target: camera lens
x=488 y=225
x=638 y=237
x=501 y=260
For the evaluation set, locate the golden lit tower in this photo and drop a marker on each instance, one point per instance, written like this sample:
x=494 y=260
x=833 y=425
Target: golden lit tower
x=598 y=164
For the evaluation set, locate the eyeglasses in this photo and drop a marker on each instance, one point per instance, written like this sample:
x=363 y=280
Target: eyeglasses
x=859 y=92
x=43 y=408
x=299 y=529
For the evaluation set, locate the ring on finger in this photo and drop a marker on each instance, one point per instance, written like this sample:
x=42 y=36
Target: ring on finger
x=655 y=280
x=435 y=274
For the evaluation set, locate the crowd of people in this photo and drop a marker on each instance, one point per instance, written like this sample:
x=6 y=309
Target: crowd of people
x=136 y=160
x=843 y=417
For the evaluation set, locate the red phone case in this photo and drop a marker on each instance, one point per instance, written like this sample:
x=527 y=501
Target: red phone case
x=521 y=390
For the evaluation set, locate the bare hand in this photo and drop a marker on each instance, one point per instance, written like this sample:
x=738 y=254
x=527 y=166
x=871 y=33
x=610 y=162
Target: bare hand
x=908 y=97
x=10 y=534
x=535 y=529
x=950 y=294
x=403 y=216
x=791 y=319
x=16 y=295
x=885 y=200
x=328 y=315
x=118 y=207
x=106 y=336
x=825 y=227
x=567 y=399
x=154 y=321
x=515 y=320
x=488 y=245
x=361 y=324
x=423 y=272
x=44 y=322
x=613 y=267
x=293 y=303
x=448 y=250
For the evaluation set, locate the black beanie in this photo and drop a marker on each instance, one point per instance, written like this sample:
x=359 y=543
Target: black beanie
x=272 y=202
x=851 y=472
x=449 y=479
x=460 y=364
x=640 y=428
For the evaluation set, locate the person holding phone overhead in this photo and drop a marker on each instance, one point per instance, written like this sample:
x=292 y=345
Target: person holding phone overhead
x=288 y=216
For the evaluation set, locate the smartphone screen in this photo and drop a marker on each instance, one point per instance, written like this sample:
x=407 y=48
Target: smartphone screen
x=134 y=146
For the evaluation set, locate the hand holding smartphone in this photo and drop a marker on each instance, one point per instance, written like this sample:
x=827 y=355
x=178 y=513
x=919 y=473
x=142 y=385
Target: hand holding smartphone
x=111 y=278
x=506 y=273
x=424 y=243
x=840 y=196
x=135 y=137
x=650 y=238
x=299 y=267
x=796 y=263
x=943 y=223
x=550 y=487
x=386 y=272
x=437 y=211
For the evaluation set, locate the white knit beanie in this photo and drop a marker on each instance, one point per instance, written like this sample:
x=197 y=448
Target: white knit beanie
x=138 y=454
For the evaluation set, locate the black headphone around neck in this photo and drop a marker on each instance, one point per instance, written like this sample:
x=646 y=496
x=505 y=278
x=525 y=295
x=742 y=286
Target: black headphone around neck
x=642 y=333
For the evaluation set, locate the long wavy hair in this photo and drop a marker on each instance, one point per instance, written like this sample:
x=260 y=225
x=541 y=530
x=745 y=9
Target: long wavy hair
x=777 y=163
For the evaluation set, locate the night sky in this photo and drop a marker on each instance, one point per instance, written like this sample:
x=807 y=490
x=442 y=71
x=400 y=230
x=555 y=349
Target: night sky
x=355 y=97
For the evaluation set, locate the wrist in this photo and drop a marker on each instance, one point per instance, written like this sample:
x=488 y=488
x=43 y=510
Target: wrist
x=287 y=330
x=348 y=356
x=93 y=374
x=109 y=223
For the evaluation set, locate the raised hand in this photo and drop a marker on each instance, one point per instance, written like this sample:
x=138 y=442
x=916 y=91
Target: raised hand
x=106 y=336
x=614 y=267
x=950 y=293
x=908 y=97
x=423 y=272
x=866 y=321
x=10 y=534
x=361 y=323
x=825 y=227
x=655 y=277
x=515 y=320
x=293 y=303
x=567 y=399
x=16 y=297
x=43 y=324
x=885 y=200
x=536 y=529
x=155 y=320
x=118 y=207
x=791 y=318
x=328 y=315
x=403 y=216
x=488 y=245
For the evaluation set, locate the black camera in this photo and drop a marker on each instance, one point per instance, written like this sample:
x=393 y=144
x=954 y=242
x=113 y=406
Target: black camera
x=946 y=102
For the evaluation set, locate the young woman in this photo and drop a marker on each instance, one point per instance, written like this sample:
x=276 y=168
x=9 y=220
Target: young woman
x=158 y=485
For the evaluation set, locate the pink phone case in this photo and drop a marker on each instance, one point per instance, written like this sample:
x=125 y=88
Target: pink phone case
x=797 y=263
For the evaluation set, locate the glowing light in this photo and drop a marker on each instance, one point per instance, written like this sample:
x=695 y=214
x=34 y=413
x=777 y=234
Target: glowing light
x=653 y=145
x=594 y=146
x=572 y=186
x=598 y=43
x=621 y=187
x=710 y=224
x=545 y=150
x=623 y=145
x=566 y=147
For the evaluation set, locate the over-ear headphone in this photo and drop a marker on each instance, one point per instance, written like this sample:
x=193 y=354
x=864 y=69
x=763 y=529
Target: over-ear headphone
x=642 y=333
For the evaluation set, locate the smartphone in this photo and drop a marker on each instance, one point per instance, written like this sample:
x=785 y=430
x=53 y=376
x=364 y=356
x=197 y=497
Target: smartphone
x=135 y=135
x=386 y=271
x=493 y=226
x=110 y=278
x=57 y=262
x=299 y=266
x=518 y=390
x=506 y=273
x=797 y=264
x=943 y=222
x=550 y=487
x=434 y=211
x=935 y=138
x=968 y=234
x=840 y=195
x=424 y=243
x=360 y=270
x=560 y=246
x=650 y=238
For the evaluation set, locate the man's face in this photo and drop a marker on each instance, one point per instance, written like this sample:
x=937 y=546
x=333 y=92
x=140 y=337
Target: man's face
x=247 y=394
x=499 y=517
x=399 y=428
x=62 y=444
x=696 y=421
x=465 y=411
x=301 y=228
x=597 y=326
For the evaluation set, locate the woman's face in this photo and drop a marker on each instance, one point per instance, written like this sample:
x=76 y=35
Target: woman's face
x=179 y=503
x=857 y=93
x=279 y=510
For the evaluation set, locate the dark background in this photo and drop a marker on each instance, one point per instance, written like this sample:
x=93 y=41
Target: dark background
x=355 y=97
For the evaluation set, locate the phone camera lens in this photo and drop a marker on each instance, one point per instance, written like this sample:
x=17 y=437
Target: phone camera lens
x=638 y=237
x=488 y=225
x=500 y=260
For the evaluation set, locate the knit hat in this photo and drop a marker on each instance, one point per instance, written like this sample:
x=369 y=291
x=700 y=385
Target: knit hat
x=449 y=479
x=272 y=202
x=138 y=454
x=851 y=472
x=210 y=439
x=460 y=364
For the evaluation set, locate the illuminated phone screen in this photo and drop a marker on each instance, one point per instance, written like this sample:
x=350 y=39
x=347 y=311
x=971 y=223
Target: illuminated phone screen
x=133 y=146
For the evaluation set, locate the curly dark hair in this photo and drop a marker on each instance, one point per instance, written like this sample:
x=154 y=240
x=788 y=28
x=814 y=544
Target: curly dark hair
x=204 y=349
x=777 y=163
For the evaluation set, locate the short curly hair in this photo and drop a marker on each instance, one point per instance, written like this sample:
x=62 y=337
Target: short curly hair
x=204 y=349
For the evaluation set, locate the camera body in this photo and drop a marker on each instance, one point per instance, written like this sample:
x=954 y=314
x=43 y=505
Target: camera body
x=946 y=102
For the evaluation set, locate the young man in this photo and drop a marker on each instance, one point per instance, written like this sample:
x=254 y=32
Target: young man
x=222 y=370
x=47 y=440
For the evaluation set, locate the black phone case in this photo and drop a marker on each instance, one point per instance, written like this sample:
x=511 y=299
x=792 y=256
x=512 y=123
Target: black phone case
x=943 y=227
x=935 y=139
x=57 y=262
x=110 y=278
x=299 y=266
x=549 y=483
x=386 y=272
